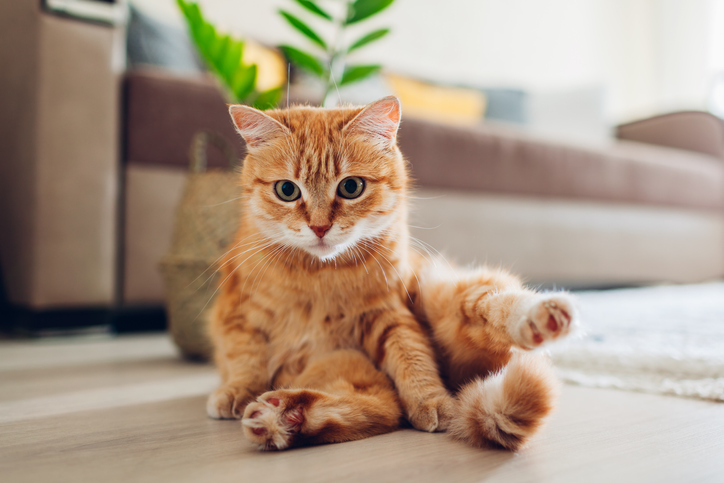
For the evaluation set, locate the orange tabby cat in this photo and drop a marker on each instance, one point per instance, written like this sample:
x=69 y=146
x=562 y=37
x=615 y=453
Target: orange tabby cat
x=329 y=328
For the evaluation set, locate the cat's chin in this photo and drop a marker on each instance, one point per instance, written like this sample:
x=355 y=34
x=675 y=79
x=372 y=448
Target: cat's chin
x=324 y=251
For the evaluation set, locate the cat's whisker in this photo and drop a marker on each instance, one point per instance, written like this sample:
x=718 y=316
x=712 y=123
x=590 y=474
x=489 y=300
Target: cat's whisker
x=224 y=202
x=419 y=285
x=289 y=76
x=232 y=272
x=387 y=283
x=220 y=257
x=425 y=227
x=289 y=254
x=425 y=197
x=404 y=285
x=440 y=255
x=331 y=74
x=266 y=260
x=256 y=244
x=215 y=292
x=356 y=252
x=274 y=256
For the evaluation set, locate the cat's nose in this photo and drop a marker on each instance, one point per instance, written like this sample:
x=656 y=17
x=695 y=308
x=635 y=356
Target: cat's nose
x=320 y=230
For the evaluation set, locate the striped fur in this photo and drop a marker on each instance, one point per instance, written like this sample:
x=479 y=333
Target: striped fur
x=331 y=339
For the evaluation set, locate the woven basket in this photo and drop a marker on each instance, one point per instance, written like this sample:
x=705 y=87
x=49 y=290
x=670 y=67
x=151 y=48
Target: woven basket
x=205 y=223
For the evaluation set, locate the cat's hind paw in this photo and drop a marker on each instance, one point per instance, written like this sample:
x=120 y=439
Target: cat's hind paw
x=549 y=317
x=227 y=403
x=270 y=424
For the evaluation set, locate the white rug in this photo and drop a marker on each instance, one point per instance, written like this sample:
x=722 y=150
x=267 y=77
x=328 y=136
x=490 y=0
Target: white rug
x=667 y=340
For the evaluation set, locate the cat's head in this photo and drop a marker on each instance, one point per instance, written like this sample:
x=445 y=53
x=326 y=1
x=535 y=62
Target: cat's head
x=322 y=180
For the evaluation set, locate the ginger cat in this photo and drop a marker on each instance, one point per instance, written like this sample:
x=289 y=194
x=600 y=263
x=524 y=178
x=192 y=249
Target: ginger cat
x=328 y=327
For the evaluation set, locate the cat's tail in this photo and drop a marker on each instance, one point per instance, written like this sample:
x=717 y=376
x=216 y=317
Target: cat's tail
x=506 y=408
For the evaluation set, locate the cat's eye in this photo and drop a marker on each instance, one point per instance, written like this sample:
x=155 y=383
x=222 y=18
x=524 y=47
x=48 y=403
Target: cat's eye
x=286 y=190
x=351 y=187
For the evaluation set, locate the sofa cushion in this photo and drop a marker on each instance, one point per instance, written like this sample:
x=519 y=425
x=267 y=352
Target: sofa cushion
x=152 y=42
x=164 y=111
x=506 y=160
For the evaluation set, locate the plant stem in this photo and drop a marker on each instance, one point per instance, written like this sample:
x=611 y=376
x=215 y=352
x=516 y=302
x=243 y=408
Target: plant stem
x=337 y=57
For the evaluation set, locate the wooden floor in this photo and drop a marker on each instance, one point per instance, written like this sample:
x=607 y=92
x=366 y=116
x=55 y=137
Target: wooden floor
x=128 y=409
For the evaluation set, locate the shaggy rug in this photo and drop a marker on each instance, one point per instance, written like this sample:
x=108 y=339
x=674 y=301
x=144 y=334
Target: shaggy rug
x=665 y=339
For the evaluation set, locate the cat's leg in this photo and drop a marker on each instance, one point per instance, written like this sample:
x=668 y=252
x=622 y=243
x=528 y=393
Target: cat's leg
x=480 y=319
x=397 y=344
x=241 y=358
x=470 y=310
x=338 y=397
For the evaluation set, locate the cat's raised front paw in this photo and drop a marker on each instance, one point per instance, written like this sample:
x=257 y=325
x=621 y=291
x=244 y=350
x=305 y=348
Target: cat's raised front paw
x=270 y=422
x=549 y=317
x=227 y=402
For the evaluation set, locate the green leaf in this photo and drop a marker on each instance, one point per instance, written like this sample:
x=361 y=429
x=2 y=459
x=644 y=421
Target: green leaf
x=183 y=6
x=219 y=47
x=362 y=9
x=195 y=21
x=314 y=8
x=303 y=60
x=303 y=28
x=207 y=41
x=231 y=58
x=242 y=84
x=370 y=37
x=268 y=99
x=354 y=73
x=222 y=53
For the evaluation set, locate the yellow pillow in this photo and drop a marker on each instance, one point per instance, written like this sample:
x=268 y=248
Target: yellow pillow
x=438 y=103
x=271 y=67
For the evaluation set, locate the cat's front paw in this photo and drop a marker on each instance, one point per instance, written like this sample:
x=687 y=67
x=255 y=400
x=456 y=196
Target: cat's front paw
x=272 y=420
x=227 y=402
x=548 y=317
x=433 y=414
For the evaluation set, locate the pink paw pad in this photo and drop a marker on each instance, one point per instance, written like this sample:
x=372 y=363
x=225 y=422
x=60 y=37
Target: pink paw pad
x=548 y=319
x=537 y=337
x=257 y=431
x=552 y=324
x=270 y=423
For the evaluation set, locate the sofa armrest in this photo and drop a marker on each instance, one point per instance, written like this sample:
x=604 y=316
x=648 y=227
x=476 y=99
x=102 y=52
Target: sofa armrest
x=689 y=130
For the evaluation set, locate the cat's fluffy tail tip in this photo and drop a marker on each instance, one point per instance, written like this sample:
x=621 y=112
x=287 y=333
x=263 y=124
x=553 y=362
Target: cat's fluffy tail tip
x=507 y=408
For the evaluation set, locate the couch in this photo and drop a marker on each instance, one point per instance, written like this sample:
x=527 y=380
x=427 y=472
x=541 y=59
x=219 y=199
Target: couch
x=645 y=207
x=620 y=212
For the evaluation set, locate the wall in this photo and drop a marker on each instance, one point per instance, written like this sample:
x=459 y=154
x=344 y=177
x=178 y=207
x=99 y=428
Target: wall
x=650 y=55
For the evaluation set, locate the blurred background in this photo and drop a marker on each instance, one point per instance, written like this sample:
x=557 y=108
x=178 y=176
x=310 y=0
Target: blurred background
x=577 y=142
x=645 y=56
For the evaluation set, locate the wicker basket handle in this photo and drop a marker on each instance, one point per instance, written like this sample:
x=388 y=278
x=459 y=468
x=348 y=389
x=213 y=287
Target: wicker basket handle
x=197 y=151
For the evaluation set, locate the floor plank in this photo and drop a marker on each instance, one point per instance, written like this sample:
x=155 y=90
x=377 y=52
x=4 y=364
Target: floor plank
x=595 y=435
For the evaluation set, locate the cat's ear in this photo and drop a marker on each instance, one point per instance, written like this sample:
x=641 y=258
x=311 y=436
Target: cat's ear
x=254 y=126
x=378 y=120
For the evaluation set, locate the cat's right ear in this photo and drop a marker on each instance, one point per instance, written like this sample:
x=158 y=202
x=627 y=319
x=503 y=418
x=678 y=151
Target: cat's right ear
x=378 y=121
x=255 y=127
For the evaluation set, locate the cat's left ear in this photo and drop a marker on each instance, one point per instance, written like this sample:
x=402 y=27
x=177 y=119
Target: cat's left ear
x=379 y=120
x=256 y=127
